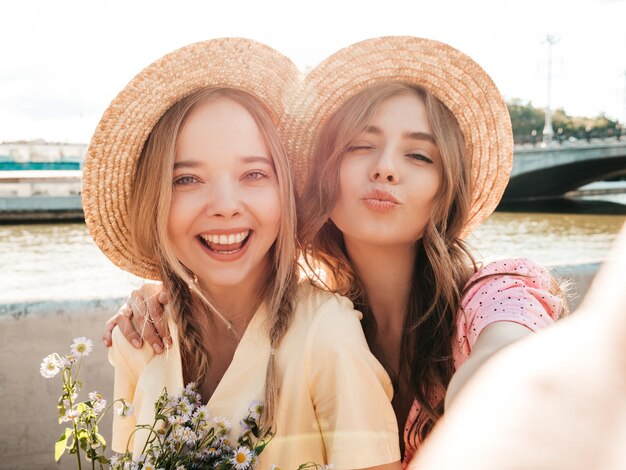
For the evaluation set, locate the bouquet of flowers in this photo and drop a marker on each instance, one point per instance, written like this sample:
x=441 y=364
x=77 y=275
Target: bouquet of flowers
x=183 y=435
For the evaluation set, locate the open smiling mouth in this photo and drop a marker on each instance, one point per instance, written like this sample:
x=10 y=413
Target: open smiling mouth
x=225 y=244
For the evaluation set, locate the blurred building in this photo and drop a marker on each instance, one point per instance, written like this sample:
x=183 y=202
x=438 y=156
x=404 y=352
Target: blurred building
x=39 y=151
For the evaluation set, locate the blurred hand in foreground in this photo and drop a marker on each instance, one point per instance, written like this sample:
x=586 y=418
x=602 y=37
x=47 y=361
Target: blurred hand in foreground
x=556 y=400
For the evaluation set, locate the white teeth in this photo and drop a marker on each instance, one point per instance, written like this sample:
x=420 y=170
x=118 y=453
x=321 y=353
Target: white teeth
x=226 y=239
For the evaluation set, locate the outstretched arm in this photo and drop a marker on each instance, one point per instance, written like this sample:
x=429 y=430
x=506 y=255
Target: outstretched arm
x=556 y=400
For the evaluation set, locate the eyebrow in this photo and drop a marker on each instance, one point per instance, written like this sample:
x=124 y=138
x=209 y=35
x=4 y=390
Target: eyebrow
x=407 y=135
x=197 y=164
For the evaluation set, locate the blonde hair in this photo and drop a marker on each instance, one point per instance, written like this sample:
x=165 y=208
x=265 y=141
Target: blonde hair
x=191 y=309
x=443 y=263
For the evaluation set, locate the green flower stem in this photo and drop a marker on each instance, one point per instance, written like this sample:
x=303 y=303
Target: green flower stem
x=76 y=443
x=106 y=410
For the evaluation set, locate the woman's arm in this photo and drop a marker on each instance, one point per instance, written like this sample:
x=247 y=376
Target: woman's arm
x=492 y=339
x=553 y=401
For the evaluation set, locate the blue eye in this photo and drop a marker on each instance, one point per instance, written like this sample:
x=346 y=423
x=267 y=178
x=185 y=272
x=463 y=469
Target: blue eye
x=184 y=180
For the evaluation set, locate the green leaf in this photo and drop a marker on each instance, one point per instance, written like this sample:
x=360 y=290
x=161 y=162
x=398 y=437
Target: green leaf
x=60 y=446
x=101 y=440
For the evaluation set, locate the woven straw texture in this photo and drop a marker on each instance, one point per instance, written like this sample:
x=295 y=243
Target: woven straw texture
x=111 y=159
x=453 y=77
x=299 y=107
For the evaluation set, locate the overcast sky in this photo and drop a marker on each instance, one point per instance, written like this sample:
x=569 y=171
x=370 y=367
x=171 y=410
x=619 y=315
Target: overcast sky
x=62 y=62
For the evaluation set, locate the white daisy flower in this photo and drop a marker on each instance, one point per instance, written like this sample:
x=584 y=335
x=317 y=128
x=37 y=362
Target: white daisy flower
x=255 y=409
x=176 y=420
x=242 y=458
x=188 y=436
x=68 y=360
x=222 y=423
x=50 y=366
x=201 y=415
x=81 y=346
x=124 y=409
x=70 y=415
x=184 y=408
x=97 y=402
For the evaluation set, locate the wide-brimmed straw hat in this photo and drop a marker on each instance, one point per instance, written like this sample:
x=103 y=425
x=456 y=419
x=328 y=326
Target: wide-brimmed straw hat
x=111 y=160
x=450 y=75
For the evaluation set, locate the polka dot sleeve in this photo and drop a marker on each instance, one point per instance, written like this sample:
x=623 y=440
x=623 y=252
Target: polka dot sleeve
x=516 y=290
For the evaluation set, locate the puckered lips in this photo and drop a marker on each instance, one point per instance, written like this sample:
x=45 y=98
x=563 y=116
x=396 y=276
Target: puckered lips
x=380 y=201
x=225 y=245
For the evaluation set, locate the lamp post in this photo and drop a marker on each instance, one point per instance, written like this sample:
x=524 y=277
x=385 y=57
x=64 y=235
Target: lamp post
x=548 y=132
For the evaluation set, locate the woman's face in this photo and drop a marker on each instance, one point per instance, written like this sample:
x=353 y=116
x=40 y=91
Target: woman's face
x=389 y=176
x=225 y=210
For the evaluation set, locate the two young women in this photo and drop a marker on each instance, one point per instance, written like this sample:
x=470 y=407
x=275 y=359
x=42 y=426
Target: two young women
x=399 y=147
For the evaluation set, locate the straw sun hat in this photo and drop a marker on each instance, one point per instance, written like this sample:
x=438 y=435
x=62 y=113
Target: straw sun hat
x=299 y=107
x=451 y=76
x=116 y=145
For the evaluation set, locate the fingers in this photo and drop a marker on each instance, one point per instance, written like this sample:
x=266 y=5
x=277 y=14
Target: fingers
x=163 y=297
x=108 y=330
x=155 y=311
x=126 y=326
x=141 y=319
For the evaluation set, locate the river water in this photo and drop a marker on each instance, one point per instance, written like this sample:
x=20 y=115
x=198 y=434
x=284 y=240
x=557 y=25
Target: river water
x=60 y=261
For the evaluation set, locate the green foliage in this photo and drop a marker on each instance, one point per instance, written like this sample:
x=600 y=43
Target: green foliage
x=525 y=119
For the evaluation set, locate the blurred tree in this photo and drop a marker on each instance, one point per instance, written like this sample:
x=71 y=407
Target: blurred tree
x=525 y=118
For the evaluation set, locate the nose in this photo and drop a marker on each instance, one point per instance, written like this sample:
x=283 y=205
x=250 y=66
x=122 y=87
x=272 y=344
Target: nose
x=225 y=200
x=384 y=169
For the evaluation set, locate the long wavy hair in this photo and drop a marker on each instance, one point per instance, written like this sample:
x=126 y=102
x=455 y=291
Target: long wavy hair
x=191 y=308
x=444 y=263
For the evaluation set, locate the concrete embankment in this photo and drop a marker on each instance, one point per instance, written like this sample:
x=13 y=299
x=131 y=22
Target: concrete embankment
x=29 y=331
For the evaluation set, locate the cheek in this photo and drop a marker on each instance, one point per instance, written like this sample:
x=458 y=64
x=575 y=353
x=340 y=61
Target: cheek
x=348 y=182
x=269 y=209
x=178 y=219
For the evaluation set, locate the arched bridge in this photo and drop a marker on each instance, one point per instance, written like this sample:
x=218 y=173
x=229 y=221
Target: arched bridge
x=553 y=171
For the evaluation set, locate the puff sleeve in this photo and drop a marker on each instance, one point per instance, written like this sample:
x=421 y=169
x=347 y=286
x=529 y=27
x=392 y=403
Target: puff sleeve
x=515 y=290
x=351 y=392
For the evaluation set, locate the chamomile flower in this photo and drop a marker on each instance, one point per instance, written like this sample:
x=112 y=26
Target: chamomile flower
x=184 y=408
x=242 y=458
x=81 y=346
x=124 y=409
x=255 y=409
x=70 y=415
x=176 y=420
x=68 y=360
x=50 y=366
x=223 y=424
x=97 y=402
x=201 y=415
